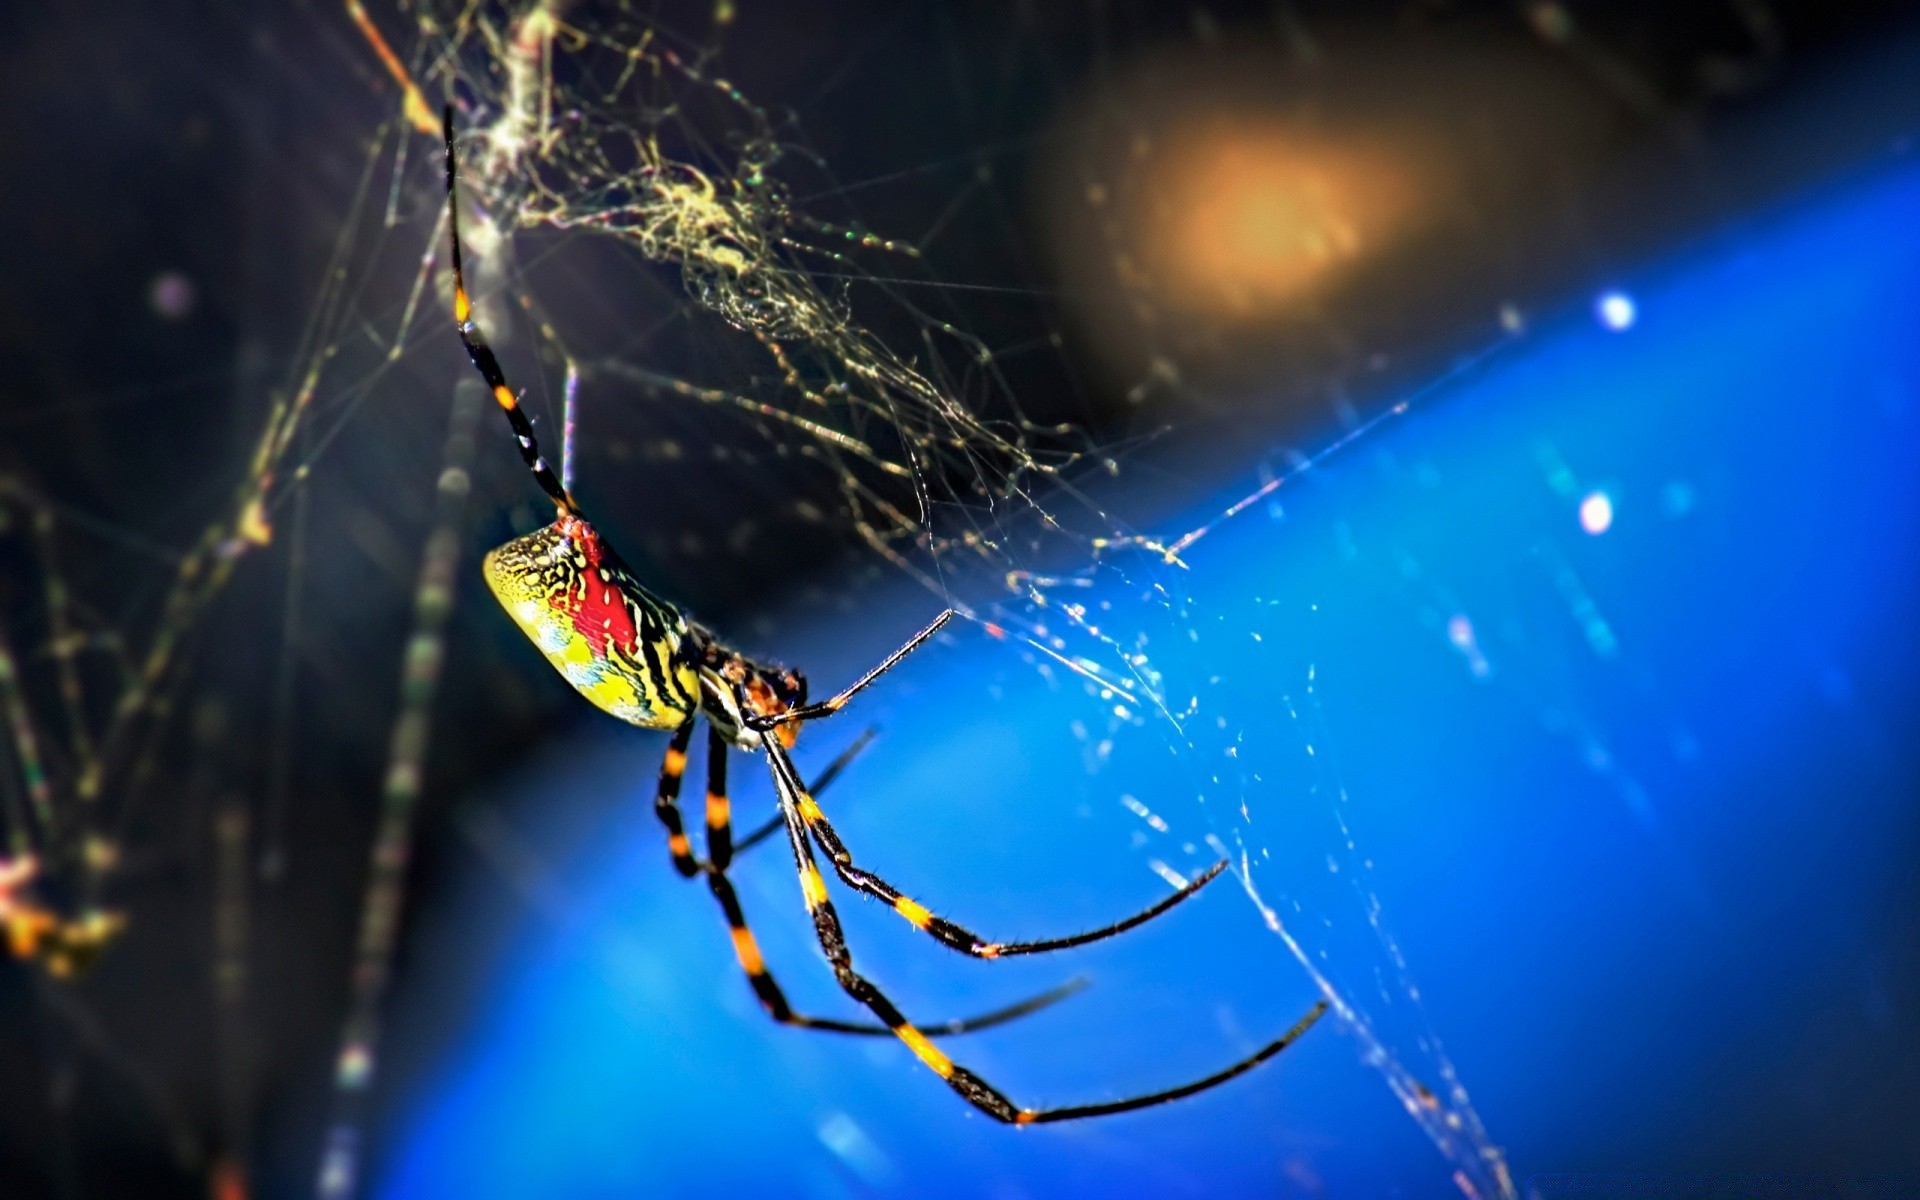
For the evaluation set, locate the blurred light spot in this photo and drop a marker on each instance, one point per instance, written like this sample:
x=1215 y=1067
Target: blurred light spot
x=1552 y=22
x=850 y=1143
x=172 y=295
x=1585 y=613
x=337 y=1166
x=1144 y=813
x=1174 y=878
x=1241 y=215
x=480 y=235
x=1559 y=475
x=355 y=1067
x=1676 y=498
x=1460 y=633
x=228 y=1181
x=1596 y=513
x=1616 y=311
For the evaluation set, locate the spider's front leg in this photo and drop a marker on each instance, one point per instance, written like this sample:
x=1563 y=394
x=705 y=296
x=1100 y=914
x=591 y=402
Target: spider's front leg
x=826 y=708
x=948 y=933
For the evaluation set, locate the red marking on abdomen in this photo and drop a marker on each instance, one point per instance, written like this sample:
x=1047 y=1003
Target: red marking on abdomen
x=600 y=613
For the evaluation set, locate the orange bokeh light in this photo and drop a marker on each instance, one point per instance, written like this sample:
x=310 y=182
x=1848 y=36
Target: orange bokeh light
x=1240 y=217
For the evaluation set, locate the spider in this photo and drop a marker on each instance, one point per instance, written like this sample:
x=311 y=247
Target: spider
x=639 y=658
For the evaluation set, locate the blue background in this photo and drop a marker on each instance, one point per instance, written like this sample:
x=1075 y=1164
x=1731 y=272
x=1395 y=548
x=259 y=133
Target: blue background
x=1650 y=869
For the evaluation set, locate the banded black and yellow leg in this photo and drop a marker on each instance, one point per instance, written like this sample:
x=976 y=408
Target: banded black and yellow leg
x=776 y=822
x=826 y=708
x=719 y=809
x=747 y=950
x=970 y=1087
x=666 y=806
x=953 y=935
x=482 y=354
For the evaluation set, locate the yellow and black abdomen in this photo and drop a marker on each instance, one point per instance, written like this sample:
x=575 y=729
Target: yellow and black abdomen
x=619 y=645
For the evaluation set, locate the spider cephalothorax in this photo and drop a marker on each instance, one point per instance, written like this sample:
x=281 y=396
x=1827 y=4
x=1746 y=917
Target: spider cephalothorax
x=741 y=693
x=638 y=657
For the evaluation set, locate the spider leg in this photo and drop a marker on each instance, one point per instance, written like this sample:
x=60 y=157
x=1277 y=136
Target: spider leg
x=665 y=804
x=719 y=809
x=949 y=933
x=747 y=949
x=826 y=708
x=971 y=1088
x=772 y=825
x=482 y=354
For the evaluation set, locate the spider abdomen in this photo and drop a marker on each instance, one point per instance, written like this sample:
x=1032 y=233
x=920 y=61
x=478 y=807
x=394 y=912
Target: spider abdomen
x=620 y=646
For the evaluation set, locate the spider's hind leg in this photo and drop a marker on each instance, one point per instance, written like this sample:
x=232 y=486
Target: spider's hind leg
x=971 y=1088
x=746 y=948
x=719 y=809
x=665 y=801
x=950 y=933
x=831 y=772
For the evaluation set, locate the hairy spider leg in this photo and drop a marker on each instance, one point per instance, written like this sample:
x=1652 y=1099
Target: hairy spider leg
x=826 y=708
x=821 y=782
x=746 y=948
x=482 y=354
x=720 y=845
x=953 y=935
x=665 y=804
x=719 y=809
x=970 y=1087
x=946 y=932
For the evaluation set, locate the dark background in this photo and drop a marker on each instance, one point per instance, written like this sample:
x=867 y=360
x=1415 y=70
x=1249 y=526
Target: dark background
x=226 y=145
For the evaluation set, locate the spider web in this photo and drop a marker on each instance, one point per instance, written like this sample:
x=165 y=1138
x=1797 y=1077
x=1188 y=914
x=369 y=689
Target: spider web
x=823 y=344
x=615 y=129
